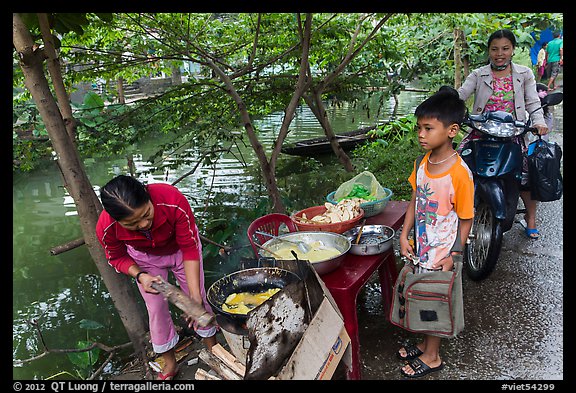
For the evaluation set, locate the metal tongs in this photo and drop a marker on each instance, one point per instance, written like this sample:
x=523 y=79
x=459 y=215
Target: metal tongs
x=414 y=259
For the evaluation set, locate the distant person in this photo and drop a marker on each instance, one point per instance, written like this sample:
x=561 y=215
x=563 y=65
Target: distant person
x=548 y=111
x=443 y=203
x=541 y=63
x=555 y=51
x=148 y=231
x=506 y=86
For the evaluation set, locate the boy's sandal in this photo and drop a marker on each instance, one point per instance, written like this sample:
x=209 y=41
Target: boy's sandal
x=532 y=233
x=420 y=368
x=412 y=352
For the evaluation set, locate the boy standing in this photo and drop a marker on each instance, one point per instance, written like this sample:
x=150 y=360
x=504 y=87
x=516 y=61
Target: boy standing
x=442 y=200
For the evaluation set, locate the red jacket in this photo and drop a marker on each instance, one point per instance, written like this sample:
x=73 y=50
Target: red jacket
x=173 y=228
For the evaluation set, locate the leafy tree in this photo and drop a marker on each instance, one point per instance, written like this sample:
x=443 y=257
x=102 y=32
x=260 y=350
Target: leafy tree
x=57 y=119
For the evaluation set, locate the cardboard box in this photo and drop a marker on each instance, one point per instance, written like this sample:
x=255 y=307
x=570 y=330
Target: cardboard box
x=324 y=344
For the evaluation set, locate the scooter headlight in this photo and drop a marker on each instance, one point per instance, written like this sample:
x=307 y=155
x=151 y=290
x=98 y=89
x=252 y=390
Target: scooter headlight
x=498 y=129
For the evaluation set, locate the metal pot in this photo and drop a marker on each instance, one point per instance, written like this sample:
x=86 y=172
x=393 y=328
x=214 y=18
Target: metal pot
x=328 y=239
x=248 y=280
x=375 y=239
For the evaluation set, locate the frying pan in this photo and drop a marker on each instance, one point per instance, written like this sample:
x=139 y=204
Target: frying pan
x=248 y=280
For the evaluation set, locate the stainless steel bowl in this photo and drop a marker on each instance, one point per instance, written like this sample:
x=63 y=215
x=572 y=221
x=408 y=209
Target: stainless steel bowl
x=329 y=239
x=375 y=239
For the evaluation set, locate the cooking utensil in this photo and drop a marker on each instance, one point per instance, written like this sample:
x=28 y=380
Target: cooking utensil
x=267 y=250
x=374 y=239
x=360 y=231
x=301 y=246
x=253 y=280
x=328 y=239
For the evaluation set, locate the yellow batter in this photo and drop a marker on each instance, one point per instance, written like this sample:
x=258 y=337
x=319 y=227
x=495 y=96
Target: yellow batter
x=317 y=252
x=242 y=302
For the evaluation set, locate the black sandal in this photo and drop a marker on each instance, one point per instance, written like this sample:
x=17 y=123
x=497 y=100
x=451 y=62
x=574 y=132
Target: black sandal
x=412 y=352
x=420 y=368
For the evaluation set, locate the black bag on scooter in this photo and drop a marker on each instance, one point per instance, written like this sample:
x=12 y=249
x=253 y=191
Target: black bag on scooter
x=544 y=176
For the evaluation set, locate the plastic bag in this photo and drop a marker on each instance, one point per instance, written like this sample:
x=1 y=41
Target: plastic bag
x=366 y=179
x=544 y=176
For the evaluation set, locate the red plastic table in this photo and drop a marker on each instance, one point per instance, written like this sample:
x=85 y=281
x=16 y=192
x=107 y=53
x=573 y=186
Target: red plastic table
x=345 y=282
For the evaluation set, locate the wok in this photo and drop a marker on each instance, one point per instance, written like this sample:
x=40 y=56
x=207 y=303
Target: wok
x=248 y=280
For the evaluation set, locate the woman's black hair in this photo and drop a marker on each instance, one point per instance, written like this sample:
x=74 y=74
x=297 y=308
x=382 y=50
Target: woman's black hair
x=445 y=105
x=122 y=195
x=503 y=33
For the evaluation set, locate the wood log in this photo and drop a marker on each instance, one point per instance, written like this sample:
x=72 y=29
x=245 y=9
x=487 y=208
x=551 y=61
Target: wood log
x=67 y=246
x=229 y=359
x=218 y=365
x=177 y=297
x=204 y=375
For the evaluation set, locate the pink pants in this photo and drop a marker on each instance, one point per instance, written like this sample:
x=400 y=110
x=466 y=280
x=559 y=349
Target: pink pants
x=162 y=331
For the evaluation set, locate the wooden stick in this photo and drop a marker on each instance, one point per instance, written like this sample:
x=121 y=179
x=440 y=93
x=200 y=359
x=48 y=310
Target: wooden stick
x=268 y=251
x=229 y=359
x=360 y=231
x=218 y=365
x=204 y=375
x=176 y=296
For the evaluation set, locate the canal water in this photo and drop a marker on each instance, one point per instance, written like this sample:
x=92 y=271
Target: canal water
x=56 y=295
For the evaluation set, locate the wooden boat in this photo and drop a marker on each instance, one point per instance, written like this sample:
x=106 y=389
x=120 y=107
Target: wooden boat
x=321 y=145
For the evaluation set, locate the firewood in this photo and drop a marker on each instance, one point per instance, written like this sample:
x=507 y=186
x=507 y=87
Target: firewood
x=191 y=308
x=204 y=375
x=228 y=359
x=216 y=364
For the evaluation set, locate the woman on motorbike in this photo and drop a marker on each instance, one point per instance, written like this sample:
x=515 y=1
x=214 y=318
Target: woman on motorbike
x=505 y=86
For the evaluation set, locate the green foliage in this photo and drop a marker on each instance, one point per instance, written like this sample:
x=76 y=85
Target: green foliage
x=83 y=361
x=395 y=130
x=200 y=114
x=392 y=162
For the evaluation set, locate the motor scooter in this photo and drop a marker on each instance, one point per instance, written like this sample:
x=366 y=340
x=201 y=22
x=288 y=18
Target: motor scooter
x=496 y=164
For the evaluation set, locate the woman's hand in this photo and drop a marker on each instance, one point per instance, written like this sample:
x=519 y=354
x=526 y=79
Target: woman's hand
x=146 y=281
x=542 y=130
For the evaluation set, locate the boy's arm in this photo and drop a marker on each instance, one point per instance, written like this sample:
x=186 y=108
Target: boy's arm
x=406 y=249
x=465 y=226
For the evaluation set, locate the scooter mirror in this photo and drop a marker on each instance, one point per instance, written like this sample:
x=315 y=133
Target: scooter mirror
x=553 y=99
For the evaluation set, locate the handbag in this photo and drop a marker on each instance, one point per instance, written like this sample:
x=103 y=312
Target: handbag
x=544 y=175
x=430 y=302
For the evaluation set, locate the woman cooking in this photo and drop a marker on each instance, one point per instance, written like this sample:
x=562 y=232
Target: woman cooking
x=147 y=231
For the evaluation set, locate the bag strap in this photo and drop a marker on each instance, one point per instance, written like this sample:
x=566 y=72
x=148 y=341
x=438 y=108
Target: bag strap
x=418 y=161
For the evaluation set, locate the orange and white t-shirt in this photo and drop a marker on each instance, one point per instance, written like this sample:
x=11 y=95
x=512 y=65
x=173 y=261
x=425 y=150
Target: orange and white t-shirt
x=440 y=200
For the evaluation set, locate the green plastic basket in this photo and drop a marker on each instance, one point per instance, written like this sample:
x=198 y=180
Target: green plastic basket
x=370 y=208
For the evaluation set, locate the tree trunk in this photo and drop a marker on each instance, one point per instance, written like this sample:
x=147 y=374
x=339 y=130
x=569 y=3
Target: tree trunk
x=466 y=56
x=457 y=58
x=56 y=75
x=267 y=171
x=120 y=88
x=302 y=84
x=77 y=183
x=176 y=75
x=317 y=106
